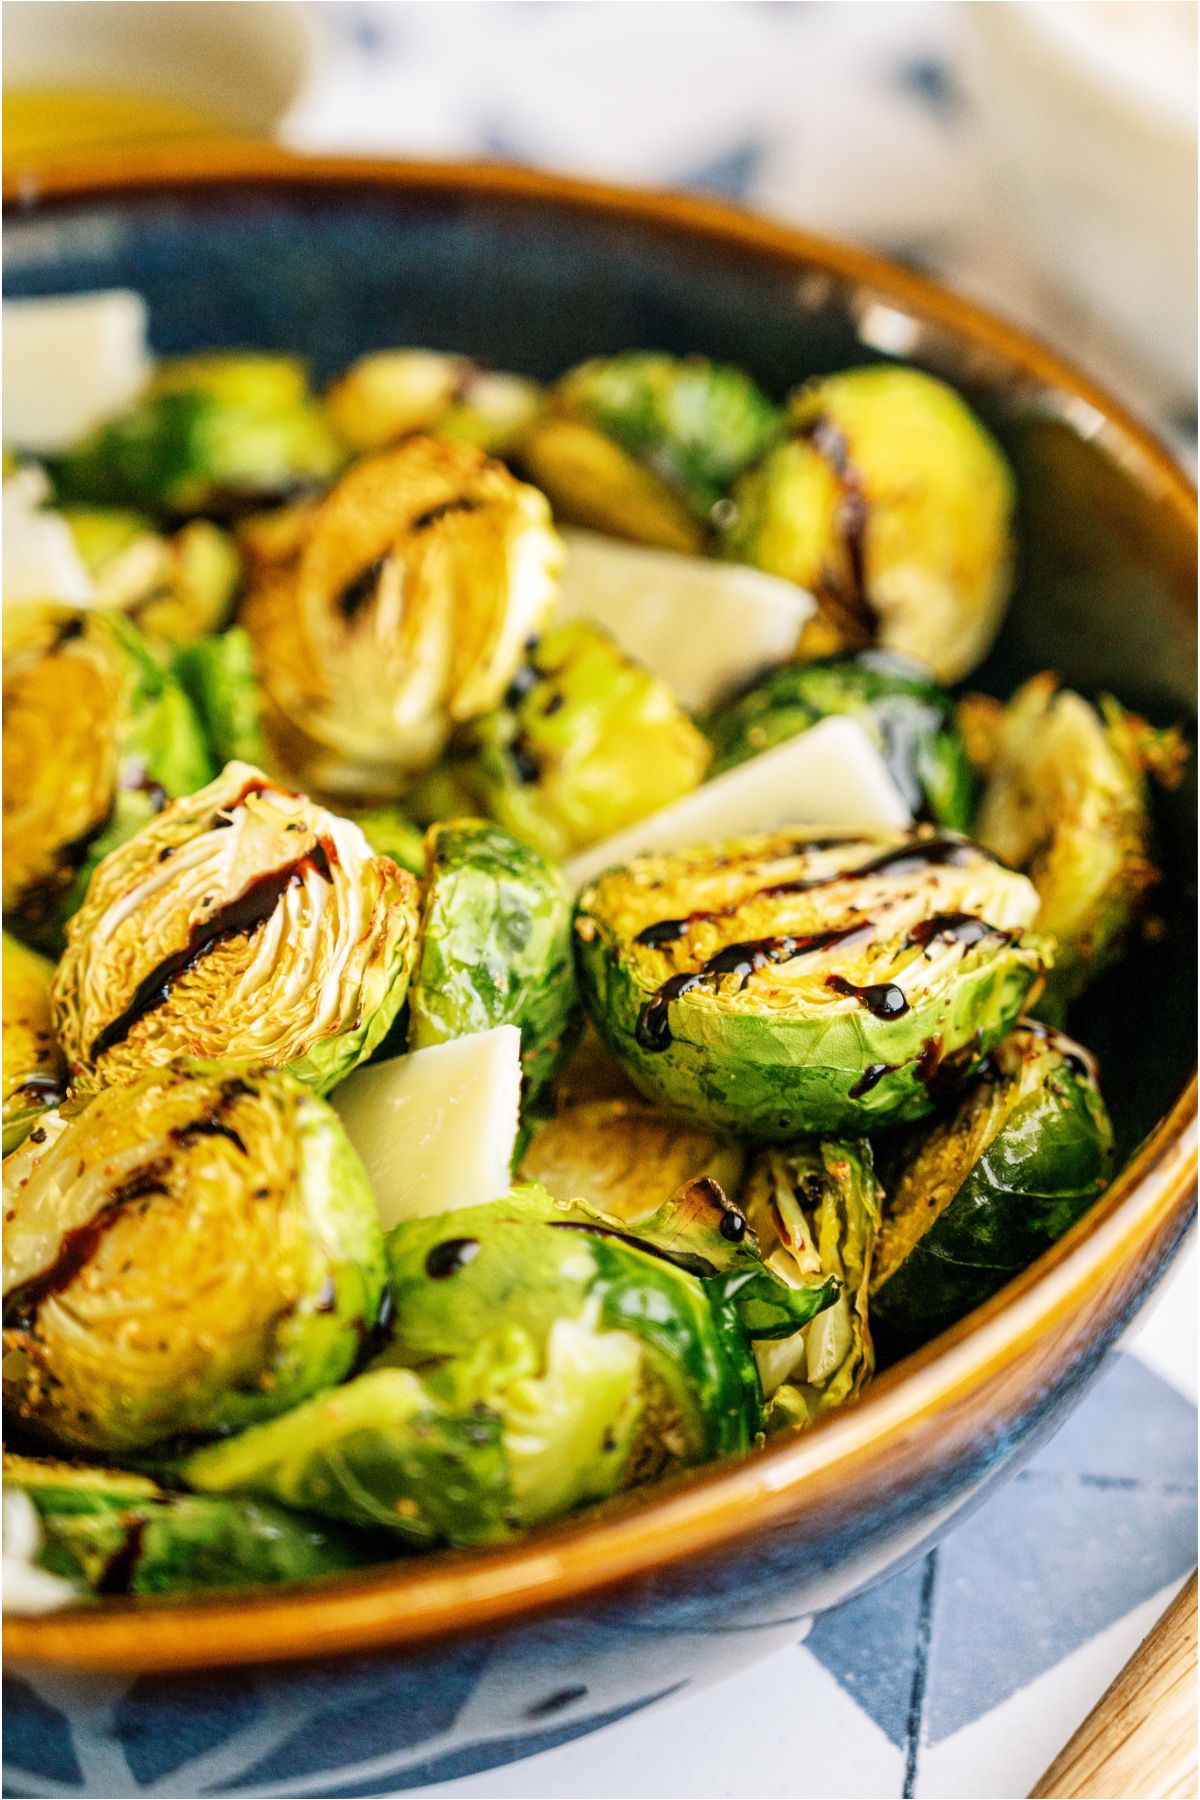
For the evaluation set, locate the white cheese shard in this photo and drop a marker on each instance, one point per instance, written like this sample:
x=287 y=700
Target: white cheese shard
x=28 y=1589
x=41 y=561
x=705 y=628
x=70 y=363
x=436 y=1129
x=831 y=774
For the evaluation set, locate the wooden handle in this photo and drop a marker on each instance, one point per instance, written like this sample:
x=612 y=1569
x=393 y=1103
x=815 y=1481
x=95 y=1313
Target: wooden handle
x=1139 y=1741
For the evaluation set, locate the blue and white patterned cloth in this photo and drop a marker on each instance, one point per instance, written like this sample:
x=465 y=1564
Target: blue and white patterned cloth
x=965 y=1674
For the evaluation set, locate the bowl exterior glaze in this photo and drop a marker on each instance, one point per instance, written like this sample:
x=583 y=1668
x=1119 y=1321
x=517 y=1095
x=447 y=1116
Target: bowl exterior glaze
x=446 y=1665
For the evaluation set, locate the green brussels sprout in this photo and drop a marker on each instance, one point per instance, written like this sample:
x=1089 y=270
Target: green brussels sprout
x=587 y=742
x=815 y=1208
x=496 y=947
x=644 y=445
x=176 y=589
x=35 y=1075
x=394 y=611
x=894 y=506
x=624 y=1158
x=244 y=923
x=789 y=982
x=1066 y=802
x=537 y=1361
x=97 y=736
x=218 y=675
x=908 y=718
x=390 y=833
x=391 y=394
x=219 y=434
x=108 y=1533
x=189 y=1253
x=973 y=1199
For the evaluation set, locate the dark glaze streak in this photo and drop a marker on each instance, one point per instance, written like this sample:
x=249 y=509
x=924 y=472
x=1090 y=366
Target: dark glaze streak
x=79 y=1245
x=654 y=1027
x=463 y=503
x=361 y=591
x=956 y=928
x=871 y=1076
x=451 y=1255
x=121 y=1567
x=239 y=918
x=883 y=998
x=829 y=441
x=526 y=765
x=41 y=1090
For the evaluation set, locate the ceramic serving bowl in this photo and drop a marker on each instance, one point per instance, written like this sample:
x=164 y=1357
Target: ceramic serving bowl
x=436 y=1666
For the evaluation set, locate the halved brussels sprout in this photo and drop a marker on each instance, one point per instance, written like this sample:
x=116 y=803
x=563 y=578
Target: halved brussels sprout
x=496 y=947
x=894 y=506
x=391 y=394
x=1065 y=801
x=189 y=1253
x=108 y=1533
x=35 y=1075
x=624 y=1158
x=789 y=982
x=586 y=743
x=907 y=716
x=815 y=1208
x=536 y=1362
x=644 y=445
x=394 y=610
x=219 y=434
x=975 y=1198
x=244 y=923
x=97 y=736
x=176 y=588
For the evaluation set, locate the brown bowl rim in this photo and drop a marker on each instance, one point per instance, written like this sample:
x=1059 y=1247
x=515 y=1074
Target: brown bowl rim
x=443 y=1595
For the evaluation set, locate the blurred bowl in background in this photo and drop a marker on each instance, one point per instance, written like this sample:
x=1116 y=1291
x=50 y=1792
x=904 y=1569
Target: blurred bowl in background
x=1087 y=116
x=83 y=73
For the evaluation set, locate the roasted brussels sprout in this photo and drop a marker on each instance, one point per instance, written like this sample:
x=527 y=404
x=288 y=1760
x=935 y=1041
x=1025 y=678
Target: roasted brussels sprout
x=244 y=923
x=908 y=718
x=976 y=1197
x=189 y=1253
x=97 y=735
x=394 y=610
x=537 y=1361
x=218 y=675
x=790 y=982
x=176 y=589
x=1066 y=802
x=390 y=833
x=586 y=743
x=496 y=947
x=644 y=445
x=391 y=394
x=893 y=505
x=35 y=1075
x=106 y=1533
x=815 y=1207
x=624 y=1158
x=219 y=434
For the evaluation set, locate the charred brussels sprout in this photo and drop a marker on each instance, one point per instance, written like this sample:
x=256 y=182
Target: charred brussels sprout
x=815 y=1208
x=788 y=983
x=395 y=610
x=975 y=1198
x=907 y=716
x=244 y=923
x=894 y=506
x=535 y=1364
x=391 y=394
x=495 y=947
x=107 y=1533
x=623 y=1158
x=1066 y=801
x=176 y=589
x=35 y=1074
x=190 y=1253
x=586 y=743
x=97 y=735
x=644 y=445
x=218 y=434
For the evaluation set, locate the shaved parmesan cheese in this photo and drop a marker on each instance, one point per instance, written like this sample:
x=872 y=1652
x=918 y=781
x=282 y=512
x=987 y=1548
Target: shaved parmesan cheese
x=705 y=628
x=70 y=362
x=41 y=561
x=28 y=1589
x=436 y=1129
x=831 y=774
